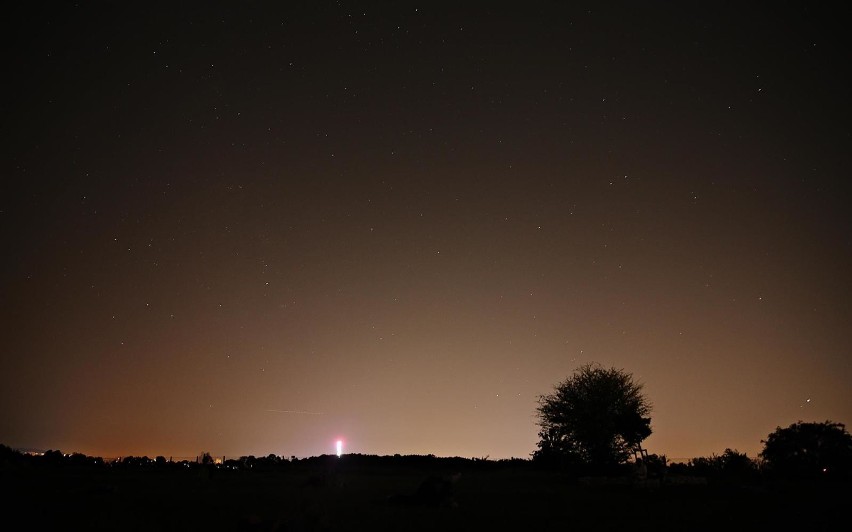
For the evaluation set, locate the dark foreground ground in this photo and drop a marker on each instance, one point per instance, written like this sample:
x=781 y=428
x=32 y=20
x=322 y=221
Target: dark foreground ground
x=335 y=497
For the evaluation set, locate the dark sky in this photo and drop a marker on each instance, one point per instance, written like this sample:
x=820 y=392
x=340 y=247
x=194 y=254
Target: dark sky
x=257 y=228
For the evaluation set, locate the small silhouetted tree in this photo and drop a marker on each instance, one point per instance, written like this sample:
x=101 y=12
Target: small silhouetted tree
x=809 y=450
x=53 y=457
x=596 y=417
x=730 y=466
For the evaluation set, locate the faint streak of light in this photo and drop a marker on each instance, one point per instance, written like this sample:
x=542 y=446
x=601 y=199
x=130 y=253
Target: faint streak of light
x=295 y=412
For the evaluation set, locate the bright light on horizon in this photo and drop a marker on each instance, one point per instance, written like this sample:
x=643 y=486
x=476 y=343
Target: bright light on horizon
x=339 y=447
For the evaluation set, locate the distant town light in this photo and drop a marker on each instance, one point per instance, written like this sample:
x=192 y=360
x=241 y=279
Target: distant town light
x=339 y=447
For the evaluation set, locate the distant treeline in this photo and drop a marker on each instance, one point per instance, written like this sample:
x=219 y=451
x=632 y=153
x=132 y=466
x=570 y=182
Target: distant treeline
x=730 y=467
x=13 y=458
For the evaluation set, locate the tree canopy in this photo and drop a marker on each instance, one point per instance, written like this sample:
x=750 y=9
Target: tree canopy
x=597 y=417
x=809 y=450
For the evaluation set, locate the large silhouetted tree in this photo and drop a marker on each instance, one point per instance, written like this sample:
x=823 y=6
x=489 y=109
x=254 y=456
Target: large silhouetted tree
x=809 y=450
x=596 y=417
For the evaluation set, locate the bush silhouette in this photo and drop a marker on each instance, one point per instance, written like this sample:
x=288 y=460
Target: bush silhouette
x=731 y=466
x=809 y=450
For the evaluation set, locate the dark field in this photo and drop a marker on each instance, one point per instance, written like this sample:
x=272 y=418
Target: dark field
x=335 y=495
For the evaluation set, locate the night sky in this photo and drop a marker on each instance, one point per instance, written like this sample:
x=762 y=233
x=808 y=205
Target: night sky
x=258 y=228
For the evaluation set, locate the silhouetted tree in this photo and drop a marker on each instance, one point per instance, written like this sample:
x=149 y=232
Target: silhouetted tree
x=595 y=417
x=9 y=458
x=53 y=457
x=809 y=450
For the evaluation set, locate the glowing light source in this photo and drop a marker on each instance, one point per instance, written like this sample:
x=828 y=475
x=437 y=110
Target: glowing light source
x=339 y=447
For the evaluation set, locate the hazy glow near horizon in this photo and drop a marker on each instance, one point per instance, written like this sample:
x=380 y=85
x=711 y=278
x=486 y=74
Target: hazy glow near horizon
x=339 y=447
x=406 y=225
